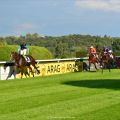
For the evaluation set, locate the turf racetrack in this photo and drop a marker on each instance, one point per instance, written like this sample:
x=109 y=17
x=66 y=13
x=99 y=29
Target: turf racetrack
x=74 y=96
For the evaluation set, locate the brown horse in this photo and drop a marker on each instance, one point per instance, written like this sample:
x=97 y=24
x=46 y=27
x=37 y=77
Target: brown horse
x=106 y=60
x=22 y=64
x=93 y=59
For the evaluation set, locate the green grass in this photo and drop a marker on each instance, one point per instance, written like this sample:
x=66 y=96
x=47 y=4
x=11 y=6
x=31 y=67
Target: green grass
x=37 y=52
x=73 y=96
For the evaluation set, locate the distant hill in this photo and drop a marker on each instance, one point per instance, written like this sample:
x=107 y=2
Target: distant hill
x=37 y=52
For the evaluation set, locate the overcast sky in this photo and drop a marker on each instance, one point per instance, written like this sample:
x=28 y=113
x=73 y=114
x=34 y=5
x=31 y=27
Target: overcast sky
x=60 y=17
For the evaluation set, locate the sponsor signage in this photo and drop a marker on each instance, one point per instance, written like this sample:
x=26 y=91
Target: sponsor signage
x=45 y=68
x=54 y=68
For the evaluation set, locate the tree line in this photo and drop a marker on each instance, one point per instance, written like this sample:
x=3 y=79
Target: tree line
x=65 y=46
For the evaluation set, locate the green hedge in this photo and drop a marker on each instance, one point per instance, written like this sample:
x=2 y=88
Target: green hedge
x=38 y=53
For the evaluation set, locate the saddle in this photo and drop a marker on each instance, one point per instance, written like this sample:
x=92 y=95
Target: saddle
x=111 y=56
x=27 y=59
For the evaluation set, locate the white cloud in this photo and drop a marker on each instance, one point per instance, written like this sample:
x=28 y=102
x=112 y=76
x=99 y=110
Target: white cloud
x=25 y=27
x=105 y=5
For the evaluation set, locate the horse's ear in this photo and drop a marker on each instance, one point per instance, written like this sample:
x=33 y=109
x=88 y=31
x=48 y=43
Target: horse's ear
x=12 y=52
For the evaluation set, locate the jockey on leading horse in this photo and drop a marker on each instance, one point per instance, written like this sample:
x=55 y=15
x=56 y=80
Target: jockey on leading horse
x=23 y=50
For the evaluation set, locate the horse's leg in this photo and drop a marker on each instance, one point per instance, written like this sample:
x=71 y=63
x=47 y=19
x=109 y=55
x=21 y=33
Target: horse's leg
x=22 y=71
x=33 y=63
x=31 y=70
x=14 y=71
x=26 y=72
x=109 y=66
x=103 y=66
x=36 y=68
x=21 y=74
x=95 y=66
x=89 y=66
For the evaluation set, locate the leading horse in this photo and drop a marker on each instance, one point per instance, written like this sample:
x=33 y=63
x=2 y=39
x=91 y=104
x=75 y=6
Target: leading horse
x=22 y=64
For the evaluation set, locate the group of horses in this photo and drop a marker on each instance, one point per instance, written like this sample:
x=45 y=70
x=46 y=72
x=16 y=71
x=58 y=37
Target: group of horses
x=104 y=59
x=22 y=65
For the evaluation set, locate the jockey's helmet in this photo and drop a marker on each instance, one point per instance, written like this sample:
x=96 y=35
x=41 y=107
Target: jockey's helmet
x=91 y=47
x=110 y=51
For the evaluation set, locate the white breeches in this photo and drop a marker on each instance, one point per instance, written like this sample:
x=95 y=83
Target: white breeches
x=23 y=52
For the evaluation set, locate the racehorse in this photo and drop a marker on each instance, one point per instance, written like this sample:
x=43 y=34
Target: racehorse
x=106 y=60
x=14 y=70
x=93 y=59
x=22 y=64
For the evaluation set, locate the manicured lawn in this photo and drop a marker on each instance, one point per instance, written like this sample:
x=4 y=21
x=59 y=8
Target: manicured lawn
x=73 y=96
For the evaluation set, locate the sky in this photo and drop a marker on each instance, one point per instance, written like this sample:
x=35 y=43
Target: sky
x=60 y=17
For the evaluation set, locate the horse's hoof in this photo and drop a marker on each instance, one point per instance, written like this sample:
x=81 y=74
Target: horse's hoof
x=101 y=66
x=38 y=73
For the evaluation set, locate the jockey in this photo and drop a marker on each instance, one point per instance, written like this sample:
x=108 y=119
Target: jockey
x=23 y=50
x=106 y=49
x=92 y=50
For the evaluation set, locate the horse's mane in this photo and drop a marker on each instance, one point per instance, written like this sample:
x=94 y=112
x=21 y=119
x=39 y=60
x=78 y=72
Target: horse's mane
x=17 y=56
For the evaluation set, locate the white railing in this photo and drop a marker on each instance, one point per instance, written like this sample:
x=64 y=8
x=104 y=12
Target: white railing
x=65 y=59
x=51 y=60
x=54 y=65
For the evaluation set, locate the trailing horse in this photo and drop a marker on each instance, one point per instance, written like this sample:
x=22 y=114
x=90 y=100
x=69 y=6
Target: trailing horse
x=106 y=60
x=93 y=59
x=22 y=64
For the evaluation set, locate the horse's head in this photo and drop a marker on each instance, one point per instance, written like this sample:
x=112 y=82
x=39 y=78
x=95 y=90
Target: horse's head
x=91 y=56
x=111 y=58
x=14 y=56
x=105 y=57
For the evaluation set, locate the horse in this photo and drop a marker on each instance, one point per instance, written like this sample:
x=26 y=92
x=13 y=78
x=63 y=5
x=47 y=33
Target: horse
x=14 y=70
x=22 y=64
x=93 y=59
x=106 y=60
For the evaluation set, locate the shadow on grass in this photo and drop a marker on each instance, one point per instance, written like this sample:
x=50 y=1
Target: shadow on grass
x=107 y=83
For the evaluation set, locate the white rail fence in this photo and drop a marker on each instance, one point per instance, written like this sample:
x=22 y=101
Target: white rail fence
x=46 y=67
